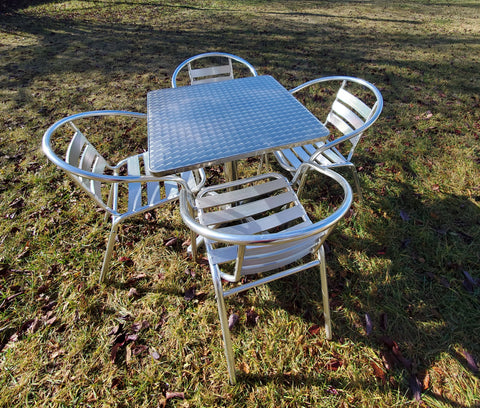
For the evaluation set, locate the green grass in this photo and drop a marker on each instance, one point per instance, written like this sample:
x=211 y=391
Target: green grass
x=399 y=257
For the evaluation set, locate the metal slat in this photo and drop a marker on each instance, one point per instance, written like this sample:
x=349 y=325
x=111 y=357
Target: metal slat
x=354 y=102
x=246 y=210
x=239 y=195
x=134 y=189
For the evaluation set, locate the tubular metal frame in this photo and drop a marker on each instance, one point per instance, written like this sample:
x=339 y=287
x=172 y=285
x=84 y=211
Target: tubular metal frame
x=88 y=168
x=212 y=71
x=253 y=248
x=327 y=154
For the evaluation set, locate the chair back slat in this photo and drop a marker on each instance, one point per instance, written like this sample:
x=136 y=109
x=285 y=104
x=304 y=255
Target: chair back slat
x=210 y=74
x=354 y=103
x=134 y=189
x=343 y=112
x=80 y=153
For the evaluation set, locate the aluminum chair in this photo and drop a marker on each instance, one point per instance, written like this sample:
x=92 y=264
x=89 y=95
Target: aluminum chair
x=258 y=225
x=356 y=106
x=211 y=67
x=123 y=190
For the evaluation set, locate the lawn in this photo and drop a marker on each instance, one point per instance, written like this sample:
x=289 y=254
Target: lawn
x=403 y=266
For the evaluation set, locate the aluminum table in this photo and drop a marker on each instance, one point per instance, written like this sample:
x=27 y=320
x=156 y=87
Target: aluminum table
x=196 y=126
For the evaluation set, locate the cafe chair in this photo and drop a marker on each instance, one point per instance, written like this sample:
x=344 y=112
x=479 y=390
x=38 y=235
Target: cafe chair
x=122 y=190
x=257 y=226
x=212 y=67
x=356 y=105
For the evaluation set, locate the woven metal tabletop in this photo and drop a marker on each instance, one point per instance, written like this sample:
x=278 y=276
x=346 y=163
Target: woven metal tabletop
x=195 y=126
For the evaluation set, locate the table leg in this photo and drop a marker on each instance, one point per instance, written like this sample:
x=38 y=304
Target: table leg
x=230 y=170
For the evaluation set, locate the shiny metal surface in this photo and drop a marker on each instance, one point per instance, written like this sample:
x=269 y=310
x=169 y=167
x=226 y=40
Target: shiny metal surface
x=195 y=126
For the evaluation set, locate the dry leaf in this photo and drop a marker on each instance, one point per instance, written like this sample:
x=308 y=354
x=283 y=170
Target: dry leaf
x=415 y=387
x=252 y=317
x=189 y=294
x=232 y=320
x=171 y=242
x=314 y=329
x=170 y=395
x=244 y=367
x=378 y=372
x=368 y=324
x=133 y=293
x=472 y=365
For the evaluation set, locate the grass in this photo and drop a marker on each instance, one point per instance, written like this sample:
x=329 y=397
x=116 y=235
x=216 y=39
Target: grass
x=400 y=257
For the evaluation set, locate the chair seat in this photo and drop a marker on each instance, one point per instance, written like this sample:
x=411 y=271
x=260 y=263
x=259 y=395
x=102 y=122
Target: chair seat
x=301 y=154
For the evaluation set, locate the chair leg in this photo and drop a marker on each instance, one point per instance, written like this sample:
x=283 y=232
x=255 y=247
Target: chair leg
x=326 y=302
x=108 y=251
x=222 y=313
x=357 y=183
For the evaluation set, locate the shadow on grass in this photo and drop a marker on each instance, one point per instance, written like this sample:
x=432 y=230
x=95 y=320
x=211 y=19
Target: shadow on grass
x=422 y=245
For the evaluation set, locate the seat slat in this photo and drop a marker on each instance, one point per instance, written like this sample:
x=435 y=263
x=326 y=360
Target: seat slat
x=240 y=195
x=246 y=210
x=266 y=223
x=291 y=158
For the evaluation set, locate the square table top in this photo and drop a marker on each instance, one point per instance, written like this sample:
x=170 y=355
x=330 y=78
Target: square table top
x=196 y=126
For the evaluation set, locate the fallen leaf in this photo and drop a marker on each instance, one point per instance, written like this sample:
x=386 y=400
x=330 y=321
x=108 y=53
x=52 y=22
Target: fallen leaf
x=128 y=354
x=415 y=387
x=333 y=364
x=244 y=367
x=126 y=260
x=133 y=293
x=171 y=242
x=404 y=215
x=252 y=317
x=115 y=330
x=368 y=324
x=136 y=327
x=114 y=351
x=155 y=355
x=189 y=294
x=170 y=395
x=378 y=372
x=232 y=320
x=472 y=365
x=314 y=329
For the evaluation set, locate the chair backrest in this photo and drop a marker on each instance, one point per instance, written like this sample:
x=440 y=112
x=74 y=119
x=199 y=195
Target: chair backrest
x=356 y=106
x=211 y=67
x=91 y=171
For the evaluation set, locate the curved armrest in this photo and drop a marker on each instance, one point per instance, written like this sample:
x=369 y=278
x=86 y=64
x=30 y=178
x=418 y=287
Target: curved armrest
x=106 y=178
